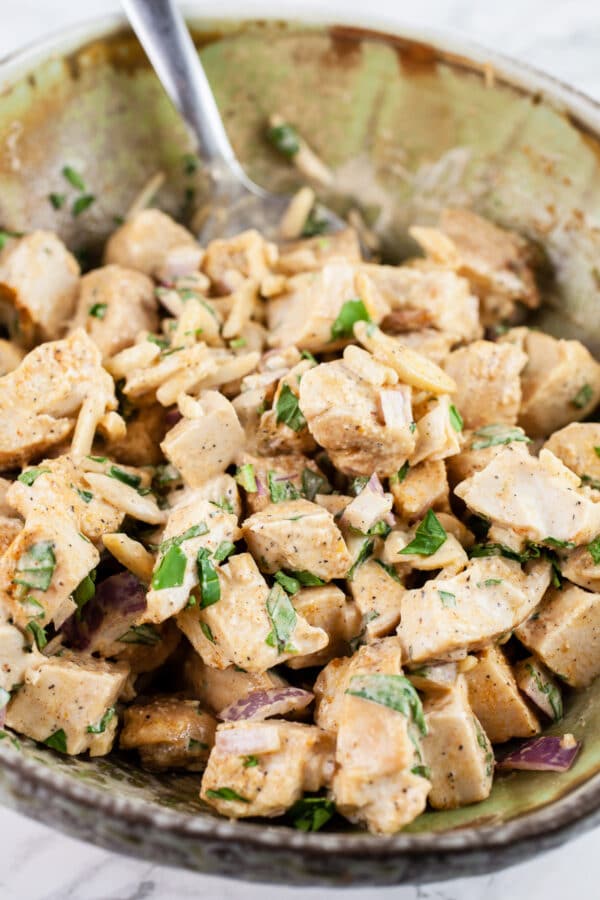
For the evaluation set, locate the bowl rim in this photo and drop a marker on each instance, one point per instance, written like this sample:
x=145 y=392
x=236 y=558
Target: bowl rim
x=579 y=809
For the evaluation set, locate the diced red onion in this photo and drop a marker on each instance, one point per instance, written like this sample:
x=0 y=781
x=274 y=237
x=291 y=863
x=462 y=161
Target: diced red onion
x=242 y=741
x=374 y=484
x=264 y=704
x=396 y=406
x=172 y=417
x=115 y=606
x=260 y=488
x=543 y=754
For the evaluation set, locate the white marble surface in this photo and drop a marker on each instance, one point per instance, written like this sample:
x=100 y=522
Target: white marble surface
x=39 y=864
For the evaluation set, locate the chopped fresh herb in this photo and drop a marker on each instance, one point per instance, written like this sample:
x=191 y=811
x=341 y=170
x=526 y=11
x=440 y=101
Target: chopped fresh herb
x=86 y=496
x=100 y=727
x=127 y=478
x=489 y=582
x=85 y=590
x=98 y=459
x=496 y=549
x=288 y=411
x=38 y=633
x=74 y=178
x=311 y=813
x=57 y=741
x=447 y=598
x=98 y=310
x=352 y=311
x=30 y=475
x=6 y=236
x=400 y=475
x=456 y=420
x=314 y=225
x=583 y=396
x=594 y=550
x=597 y=451
x=284 y=138
x=389 y=569
x=225 y=549
x=357 y=484
x=282 y=616
x=306 y=354
x=191 y=532
x=380 y=528
x=250 y=762
x=308 y=579
x=245 y=477
x=171 y=569
x=82 y=203
x=190 y=163
x=493 y=435
x=554 y=542
x=36 y=566
x=314 y=483
x=429 y=536
x=210 y=587
x=289 y=584
x=193 y=744
x=161 y=342
x=237 y=343
x=281 y=489
x=226 y=793
x=141 y=634
x=205 y=629
x=485 y=745
x=35 y=609
x=590 y=482
x=57 y=200
x=223 y=504
x=549 y=690
x=423 y=771
x=394 y=691
x=363 y=554
x=412 y=427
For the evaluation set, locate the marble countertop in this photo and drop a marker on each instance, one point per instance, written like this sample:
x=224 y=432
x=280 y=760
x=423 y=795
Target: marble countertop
x=40 y=864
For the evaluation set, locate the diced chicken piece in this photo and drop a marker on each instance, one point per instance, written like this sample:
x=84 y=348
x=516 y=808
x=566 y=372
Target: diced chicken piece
x=306 y=313
x=456 y=751
x=41 y=398
x=299 y=536
x=480 y=447
x=329 y=690
x=488 y=388
x=9 y=529
x=311 y=254
x=326 y=608
x=421 y=487
x=218 y=688
x=229 y=261
x=436 y=436
x=146 y=429
x=370 y=506
x=287 y=466
x=203 y=447
x=191 y=526
x=378 y=747
x=579 y=566
x=221 y=491
x=42 y=567
x=450 y=556
x=346 y=415
x=538 y=498
x=466 y=611
x=16 y=657
x=274 y=434
x=38 y=287
x=145 y=241
x=378 y=596
x=169 y=733
x=566 y=634
x=114 y=305
x=10 y=356
x=536 y=682
x=70 y=698
x=560 y=383
x=292 y=758
x=249 y=626
x=576 y=446
x=427 y=298
x=496 y=701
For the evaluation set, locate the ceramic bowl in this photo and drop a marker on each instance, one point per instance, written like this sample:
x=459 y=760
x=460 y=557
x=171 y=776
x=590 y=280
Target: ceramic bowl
x=410 y=123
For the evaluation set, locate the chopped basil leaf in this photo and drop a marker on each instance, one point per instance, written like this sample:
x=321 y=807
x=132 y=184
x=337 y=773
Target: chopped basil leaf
x=314 y=483
x=364 y=553
x=281 y=489
x=163 y=343
x=400 y=475
x=447 y=598
x=141 y=634
x=289 y=584
x=597 y=451
x=171 y=569
x=57 y=741
x=493 y=435
x=30 y=603
x=36 y=566
x=6 y=236
x=225 y=549
x=284 y=138
x=85 y=590
x=380 y=528
x=100 y=727
x=223 y=504
x=288 y=410
x=226 y=793
x=30 y=475
x=38 y=633
x=429 y=536
x=209 y=580
x=311 y=813
x=594 y=550
x=86 y=496
x=244 y=475
x=549 y=690
x=190 y=163
x=485 y=745
x=57 y=200
x=282 y=616
x=496 y=549
x=307 y=578
x=205 y=629
x=583 y=396
x=591 y=482
x=394 y=691
x=554 y=542
x=98 y=459
x=313 y=225
x=250 y=762
x=456 y=420
x=74 y=178
x=423 y=771
x=306 y=354
x=236 y=343
x=82 y=203
x=489 y=582
x=193 y=744
x=352 y=311
x=127 y=478
x=389 y=569
x=191 y=532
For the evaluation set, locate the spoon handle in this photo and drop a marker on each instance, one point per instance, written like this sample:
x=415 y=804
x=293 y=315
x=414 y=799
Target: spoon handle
x=164 y=36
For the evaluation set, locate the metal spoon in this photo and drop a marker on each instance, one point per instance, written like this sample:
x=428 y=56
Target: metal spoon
x=237 y=203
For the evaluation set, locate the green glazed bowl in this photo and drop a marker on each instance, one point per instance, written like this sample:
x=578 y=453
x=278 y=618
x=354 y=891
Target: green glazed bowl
x=410 y=123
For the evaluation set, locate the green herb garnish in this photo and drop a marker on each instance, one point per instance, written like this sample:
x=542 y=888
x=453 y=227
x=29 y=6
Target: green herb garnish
x=57 y=200
x=36 y=566
x=352 y=311
x=141 y=634
x=245 y=477
x=57 y=741
x=191 y=532
x=74 y=178
x=548 y=690
x=85 y=590
x=289 y=584
x=206 y=631
x=594 y=550
x=456 y=420
x=285 y=139
x=250 y=762
x=210 y=587
x=31 y=475
x=493 y=435
x=127 y=478
x=307 y=579
x=82 y=203
x=100 y=727
x=39 y=635
x=225 y=549
x=447 y=598
x=365 y=551
x=429 y=536
x=583 y=396
x=314 y=483
x=171 y=569
x=288 y=411
x=282 y=616
x=86 y=496
x=281 y=489
x=400 y=475
x=311 y=813
x=393 y=691
x=226 y=793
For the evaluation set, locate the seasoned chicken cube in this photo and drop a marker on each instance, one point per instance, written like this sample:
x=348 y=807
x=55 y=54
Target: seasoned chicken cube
x=289 y=468
x=38 y=287
x=363 y=427
x=496 y=701
x=10 y=356
x=218 y=688
x=311 y=254
x=377 y=594
x=308 y=313
x=9 y=529
x=378 y=743
x=329 y=690
x=221 y=491
x=416 y=489
x=536 y=682
x=576 y=446
x=456 y=750
x=282 y=429
x=169 y=733
x=292 y=758
x=299 y=536
x=488 y=388
x=146 y=429
x=480 y=447
x=16 y=657
x=560 y=383
x=68 y=702
x=449 y=556
x=566 y=634
x=206 y=445
x=466 y=611
x=538 y=498
x=145 y=241
x=113 y=306
x=250 y=626
x=370 y=506
x=229 y=261
x=327 y=608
